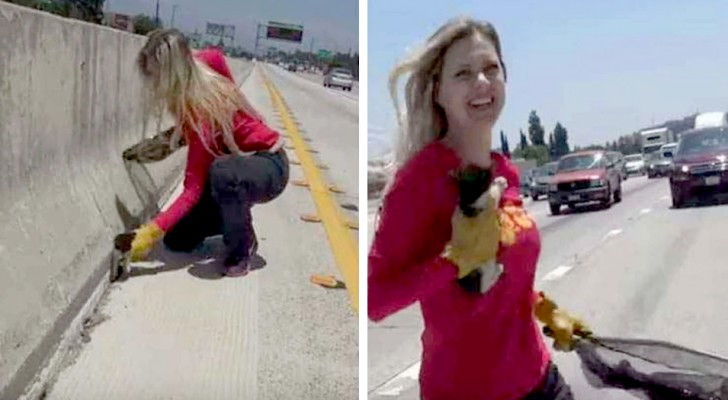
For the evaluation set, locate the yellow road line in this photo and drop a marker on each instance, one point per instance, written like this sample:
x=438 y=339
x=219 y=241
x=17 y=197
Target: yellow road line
x=341 y=239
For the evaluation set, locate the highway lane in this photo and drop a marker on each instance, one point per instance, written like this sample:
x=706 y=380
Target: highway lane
x=638 y=269
x=319 y=80
x=178 y=329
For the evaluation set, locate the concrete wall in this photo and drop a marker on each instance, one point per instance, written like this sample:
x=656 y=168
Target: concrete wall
x=69 y=105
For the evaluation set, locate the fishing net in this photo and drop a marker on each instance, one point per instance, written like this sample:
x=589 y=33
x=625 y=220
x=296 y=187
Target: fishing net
x=659 y=370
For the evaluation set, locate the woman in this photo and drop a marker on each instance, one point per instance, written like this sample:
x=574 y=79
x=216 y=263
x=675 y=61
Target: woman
x=234 y=160
x=475 y=346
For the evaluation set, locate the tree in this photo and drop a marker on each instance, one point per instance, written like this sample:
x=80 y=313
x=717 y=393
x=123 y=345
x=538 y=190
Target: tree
x=552 y=145
x=540 y=153
x=524 y=141
x=561 y=141
x=504 y=144
x=143 y=24
x=535 y=130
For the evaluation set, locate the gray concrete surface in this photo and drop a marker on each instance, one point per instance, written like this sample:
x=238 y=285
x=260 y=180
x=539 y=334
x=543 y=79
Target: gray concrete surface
x=178 y=329
x=638 y=269
x=70 y=105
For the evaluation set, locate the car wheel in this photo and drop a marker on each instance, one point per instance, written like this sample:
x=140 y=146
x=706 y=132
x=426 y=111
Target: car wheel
x=534 y=196
x=608 y=201
x=618 y=194
x=678 y=200
x=555 y=208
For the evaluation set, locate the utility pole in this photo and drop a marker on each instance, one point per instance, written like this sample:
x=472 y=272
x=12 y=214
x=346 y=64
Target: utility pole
x=174 y=9
x=156 y=16
x=257 y=36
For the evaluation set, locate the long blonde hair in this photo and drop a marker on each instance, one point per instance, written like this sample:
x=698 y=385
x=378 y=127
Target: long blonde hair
x=193 y=93
x=423 y=120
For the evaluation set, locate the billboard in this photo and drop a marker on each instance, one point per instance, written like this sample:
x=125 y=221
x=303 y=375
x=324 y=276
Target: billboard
x=120 y=21
x=287 y=32
x=225 y=31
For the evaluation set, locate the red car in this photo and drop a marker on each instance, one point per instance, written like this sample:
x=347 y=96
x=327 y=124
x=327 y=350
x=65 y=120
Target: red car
x=585 y=177
x=700 y=165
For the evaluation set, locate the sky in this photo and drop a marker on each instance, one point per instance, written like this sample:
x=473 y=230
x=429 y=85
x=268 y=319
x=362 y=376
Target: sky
x=600 y=68
x=331 y=24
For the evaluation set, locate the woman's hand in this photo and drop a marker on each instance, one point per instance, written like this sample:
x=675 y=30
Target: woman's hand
x=561 y=324
x=475 y=239
x=144 y=239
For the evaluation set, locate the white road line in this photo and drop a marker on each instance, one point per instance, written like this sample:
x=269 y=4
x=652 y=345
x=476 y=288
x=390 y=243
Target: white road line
x=645 y=211
x=613 y=232
x=557 y=273
x=405 y=380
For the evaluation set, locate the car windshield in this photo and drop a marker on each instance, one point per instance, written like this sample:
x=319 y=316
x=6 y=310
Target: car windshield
x=581 y=162
x=342 y=72
x=633 y=158
x=707 y=140
x=546 y=170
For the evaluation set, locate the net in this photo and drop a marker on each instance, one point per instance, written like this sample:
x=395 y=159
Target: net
x=658 y=369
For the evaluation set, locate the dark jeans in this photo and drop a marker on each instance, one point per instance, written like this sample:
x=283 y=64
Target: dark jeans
x=234 y=185
x=553 y=387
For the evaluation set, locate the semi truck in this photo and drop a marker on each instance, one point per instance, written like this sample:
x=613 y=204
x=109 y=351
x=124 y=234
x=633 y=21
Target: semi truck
x=652 y=142
x=711 y=119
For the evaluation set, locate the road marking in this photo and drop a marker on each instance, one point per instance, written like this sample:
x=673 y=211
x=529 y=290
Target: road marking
x=405 y=380
x=613 y=232
x=341 y=240
x=557 y=273
x=645 y=211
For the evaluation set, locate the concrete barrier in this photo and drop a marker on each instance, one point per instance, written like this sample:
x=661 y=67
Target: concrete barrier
x=69 y=105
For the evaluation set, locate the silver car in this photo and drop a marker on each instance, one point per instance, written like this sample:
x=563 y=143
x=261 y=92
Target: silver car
x=339 y=77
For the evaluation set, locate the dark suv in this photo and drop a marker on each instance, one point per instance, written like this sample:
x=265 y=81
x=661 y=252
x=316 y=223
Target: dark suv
x=700 y=165
x=585 y=177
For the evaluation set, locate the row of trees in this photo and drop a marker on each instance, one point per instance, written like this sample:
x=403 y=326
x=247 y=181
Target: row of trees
x=86 y=10
x=534 y=146
x=539 y=149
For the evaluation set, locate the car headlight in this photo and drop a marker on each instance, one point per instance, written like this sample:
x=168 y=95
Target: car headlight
x=685 y=169
x=597 y=183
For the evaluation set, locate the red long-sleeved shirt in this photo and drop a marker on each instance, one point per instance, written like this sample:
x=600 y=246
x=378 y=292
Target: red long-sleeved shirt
x=251 y=134
x=474 y=346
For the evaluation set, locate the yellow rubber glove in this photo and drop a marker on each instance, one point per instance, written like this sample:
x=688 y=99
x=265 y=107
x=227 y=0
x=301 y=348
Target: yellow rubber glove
x=563 y=326
x=144 y=239
x=475 y=240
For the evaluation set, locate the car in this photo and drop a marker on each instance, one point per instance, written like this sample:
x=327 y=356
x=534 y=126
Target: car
x=339 y=77
x=585 y=177
x=700 y=165
x=292 y=67
x=635 y=164
x=541 y=179
x=661 y=161
x=620 y=164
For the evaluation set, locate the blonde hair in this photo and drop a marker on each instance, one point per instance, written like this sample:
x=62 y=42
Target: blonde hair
x=197 y=96
x=423 y=120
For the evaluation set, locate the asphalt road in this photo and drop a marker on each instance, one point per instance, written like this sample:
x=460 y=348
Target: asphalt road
x=319 y=80
x=639 y=269
x=179 y=330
